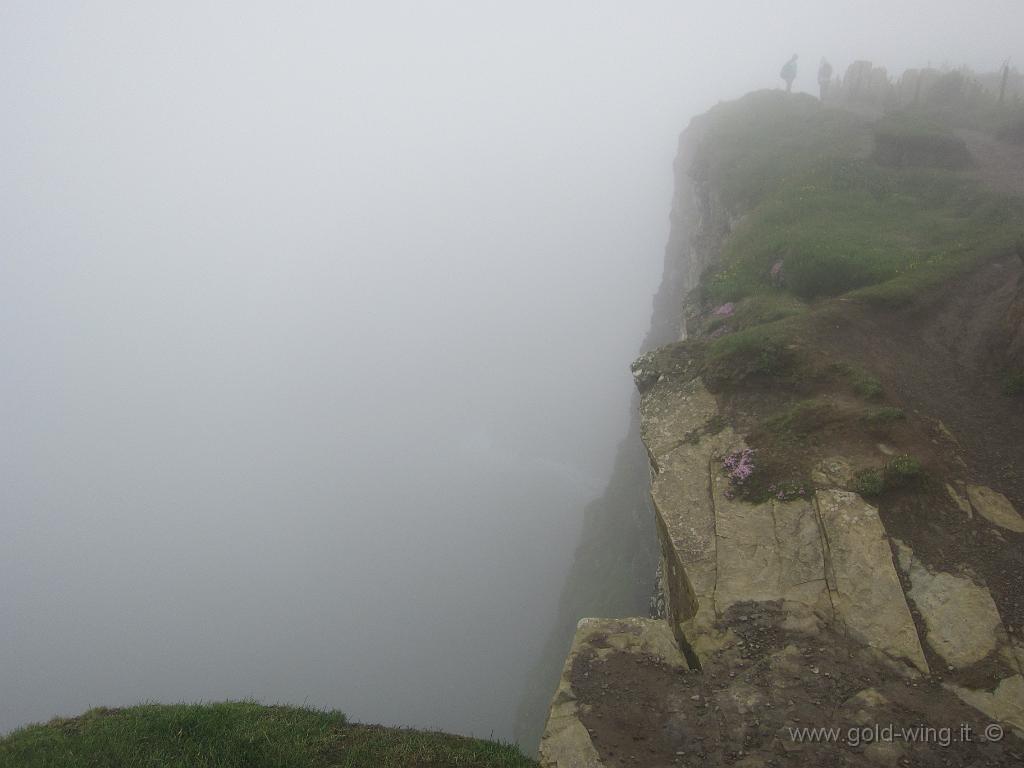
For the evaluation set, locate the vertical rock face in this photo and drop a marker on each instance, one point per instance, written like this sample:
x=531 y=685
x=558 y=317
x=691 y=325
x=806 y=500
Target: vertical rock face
x=699 y=223
x=777 y=614
x=615 y=564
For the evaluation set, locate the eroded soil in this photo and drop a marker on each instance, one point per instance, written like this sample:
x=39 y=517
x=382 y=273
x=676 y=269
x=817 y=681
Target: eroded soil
x=748 y=705
x=944 y=365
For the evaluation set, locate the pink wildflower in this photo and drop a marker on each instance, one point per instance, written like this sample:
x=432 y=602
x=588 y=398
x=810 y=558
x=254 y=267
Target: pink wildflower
x=739 y=465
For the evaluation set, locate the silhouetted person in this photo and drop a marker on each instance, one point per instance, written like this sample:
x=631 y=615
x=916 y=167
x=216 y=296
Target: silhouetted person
x=824 y=78
x=788 y=73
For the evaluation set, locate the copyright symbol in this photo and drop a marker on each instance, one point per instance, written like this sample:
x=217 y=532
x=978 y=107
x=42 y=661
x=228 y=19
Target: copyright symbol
x=994 y=732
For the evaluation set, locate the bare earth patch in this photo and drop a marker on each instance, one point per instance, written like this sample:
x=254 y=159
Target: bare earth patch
x=753 y=698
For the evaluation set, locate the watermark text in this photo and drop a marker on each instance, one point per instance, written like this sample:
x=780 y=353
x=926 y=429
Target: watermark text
x=862 y=735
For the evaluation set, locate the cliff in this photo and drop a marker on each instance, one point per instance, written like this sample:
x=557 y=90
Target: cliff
x=832 y=431
x=614 y=569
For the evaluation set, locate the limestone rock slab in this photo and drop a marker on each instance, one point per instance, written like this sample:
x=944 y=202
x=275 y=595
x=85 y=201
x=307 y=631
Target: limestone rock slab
x=675 y=418
x=681 y=499
x=867 y=594
x=995 y=508
x=671 y=411
x=961 y=619
x=1005 y=703
x=767 y=551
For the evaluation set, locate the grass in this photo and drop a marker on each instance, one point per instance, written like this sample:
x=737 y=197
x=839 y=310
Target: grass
x=829 y=220
x=863 y=383
x=815 y=221
x=820 y=220
x=911 y=123
x=869 y=482
x=847 y=224
x=802 y=418
x=752 y=144
x=916 y=139
x=239 y=735
x=759 y=352
x=757 y=309
x=899 y=471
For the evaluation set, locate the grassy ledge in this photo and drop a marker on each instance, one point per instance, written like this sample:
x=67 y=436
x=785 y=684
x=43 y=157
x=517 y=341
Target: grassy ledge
x=240 y=735
x=819 y=216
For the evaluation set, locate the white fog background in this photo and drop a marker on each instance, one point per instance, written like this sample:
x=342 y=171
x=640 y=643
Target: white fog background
x=316 y=319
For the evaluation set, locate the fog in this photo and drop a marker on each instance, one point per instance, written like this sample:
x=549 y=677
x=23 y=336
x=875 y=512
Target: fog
x=316 y=323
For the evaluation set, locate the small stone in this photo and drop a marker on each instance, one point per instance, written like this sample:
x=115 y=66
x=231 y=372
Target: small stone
x=995 y=508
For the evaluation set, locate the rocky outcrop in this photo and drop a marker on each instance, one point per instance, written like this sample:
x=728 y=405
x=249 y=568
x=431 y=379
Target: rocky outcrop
x=963 y=628
x=771 y=695
x=827 y=557
x=781 y=614
x=567 y=742
x=784 y=614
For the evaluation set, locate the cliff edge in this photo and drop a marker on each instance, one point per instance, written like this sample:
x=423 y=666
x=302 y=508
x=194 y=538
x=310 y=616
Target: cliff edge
x=834 y=446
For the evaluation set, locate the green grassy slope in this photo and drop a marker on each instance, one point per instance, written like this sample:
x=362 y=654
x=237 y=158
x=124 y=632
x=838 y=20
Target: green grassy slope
x=816 y=207
x=239 y=735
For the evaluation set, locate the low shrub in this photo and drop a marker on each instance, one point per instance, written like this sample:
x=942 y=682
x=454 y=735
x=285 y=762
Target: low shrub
x=903 y=466
x=869 y=482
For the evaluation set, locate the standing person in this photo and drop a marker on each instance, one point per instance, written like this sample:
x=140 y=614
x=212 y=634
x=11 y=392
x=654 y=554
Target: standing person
x=824 y=77
x=788 y=73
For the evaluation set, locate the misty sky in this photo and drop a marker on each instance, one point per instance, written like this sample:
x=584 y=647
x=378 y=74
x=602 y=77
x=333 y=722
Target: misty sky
x=316 y=324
